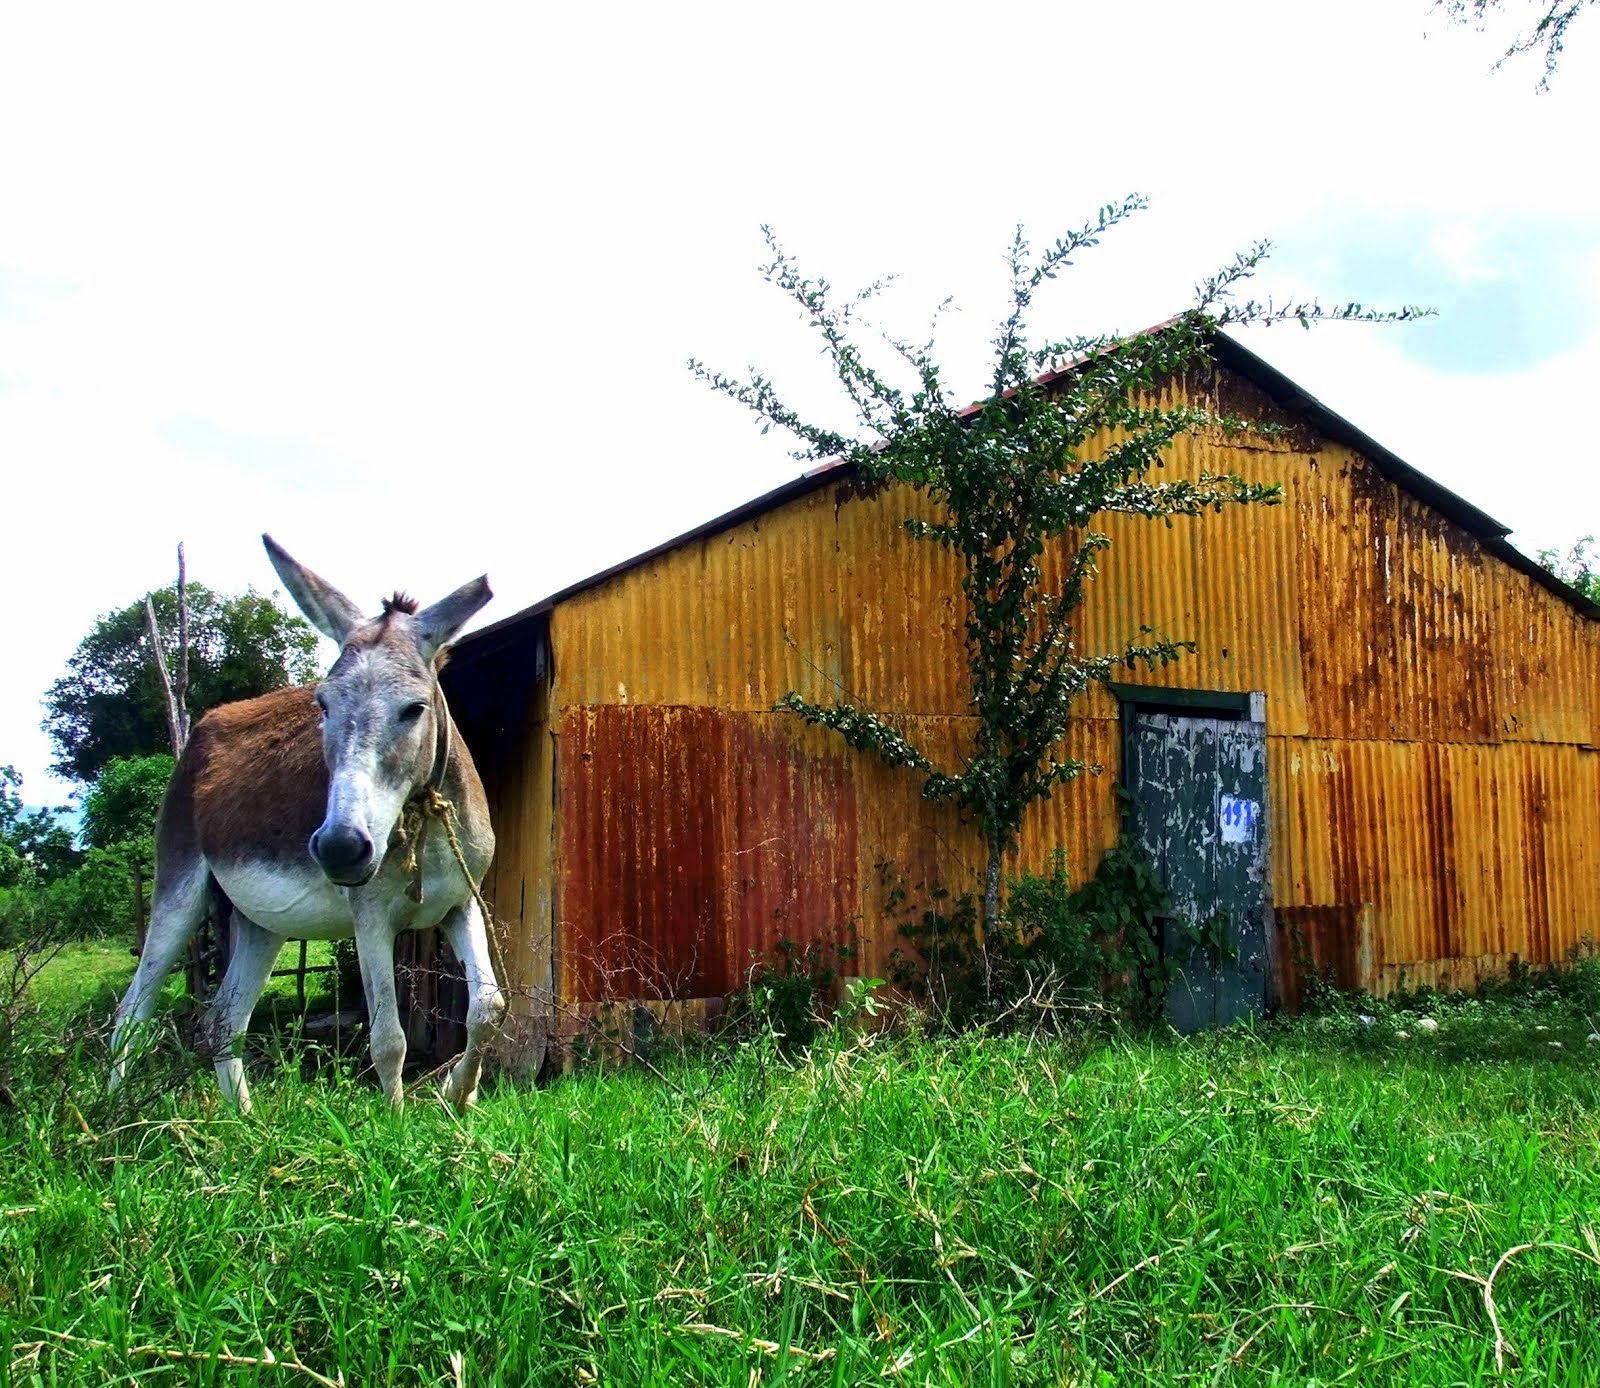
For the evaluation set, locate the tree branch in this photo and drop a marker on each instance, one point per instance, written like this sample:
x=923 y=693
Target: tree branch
x=180 y=696
x=174 y=728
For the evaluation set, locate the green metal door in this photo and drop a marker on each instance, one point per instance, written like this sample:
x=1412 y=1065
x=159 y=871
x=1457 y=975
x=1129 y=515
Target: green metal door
x=1199 y=788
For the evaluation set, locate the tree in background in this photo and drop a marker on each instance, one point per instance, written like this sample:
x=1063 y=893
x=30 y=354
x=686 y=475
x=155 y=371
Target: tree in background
x=35 y=847
x=1578 y=567
x=125 y=799
x=49 y=890
x=110 y=703
x=1548 y=31
x=1066 y=432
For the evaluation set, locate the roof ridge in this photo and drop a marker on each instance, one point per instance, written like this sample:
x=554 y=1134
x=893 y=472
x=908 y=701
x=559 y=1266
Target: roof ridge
x=1227 y=352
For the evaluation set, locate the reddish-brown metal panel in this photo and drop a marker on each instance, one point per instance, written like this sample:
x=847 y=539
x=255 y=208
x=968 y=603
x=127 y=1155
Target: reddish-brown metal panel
x=691 y=841
x=638 y=851
x=1317 y=943
x=792 y=848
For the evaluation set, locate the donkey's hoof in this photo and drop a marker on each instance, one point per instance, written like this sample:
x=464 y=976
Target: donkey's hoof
x=458 y=1096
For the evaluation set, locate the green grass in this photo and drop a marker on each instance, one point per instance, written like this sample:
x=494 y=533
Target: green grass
x=85 y=975
x=1312 y=1202
x=90 y=976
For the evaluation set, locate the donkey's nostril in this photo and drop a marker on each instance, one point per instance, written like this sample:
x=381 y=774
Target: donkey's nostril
x=343 y=851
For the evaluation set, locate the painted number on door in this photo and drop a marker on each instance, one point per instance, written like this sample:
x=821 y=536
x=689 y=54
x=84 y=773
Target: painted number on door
x=1238 y=819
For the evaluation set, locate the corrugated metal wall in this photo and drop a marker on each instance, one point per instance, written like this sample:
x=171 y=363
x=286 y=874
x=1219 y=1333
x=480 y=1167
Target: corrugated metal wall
x=1430 y=710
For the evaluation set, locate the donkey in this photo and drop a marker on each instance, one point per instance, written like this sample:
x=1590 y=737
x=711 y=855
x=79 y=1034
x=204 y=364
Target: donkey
x=305 y=809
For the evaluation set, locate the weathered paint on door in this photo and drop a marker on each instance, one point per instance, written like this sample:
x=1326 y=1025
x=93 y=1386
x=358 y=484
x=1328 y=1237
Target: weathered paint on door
x=1199 y=788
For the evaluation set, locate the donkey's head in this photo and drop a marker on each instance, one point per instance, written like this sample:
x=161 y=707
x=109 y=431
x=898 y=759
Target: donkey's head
x=384 y=725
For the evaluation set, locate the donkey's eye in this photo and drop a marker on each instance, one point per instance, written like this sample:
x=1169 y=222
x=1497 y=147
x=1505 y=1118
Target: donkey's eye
x=322 y=702
x=411 y=712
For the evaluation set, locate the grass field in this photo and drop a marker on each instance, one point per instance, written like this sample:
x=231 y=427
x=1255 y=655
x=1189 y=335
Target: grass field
x=1313 y=1202
x=92 y=975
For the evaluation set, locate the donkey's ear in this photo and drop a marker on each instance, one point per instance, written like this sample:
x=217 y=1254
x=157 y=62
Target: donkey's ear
x=325 y=607
x=436 y=625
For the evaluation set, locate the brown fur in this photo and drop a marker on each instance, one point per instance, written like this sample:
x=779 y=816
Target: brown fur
x=256 y=779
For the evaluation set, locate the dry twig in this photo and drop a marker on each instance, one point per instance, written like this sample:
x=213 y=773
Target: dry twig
x=1501 y=1344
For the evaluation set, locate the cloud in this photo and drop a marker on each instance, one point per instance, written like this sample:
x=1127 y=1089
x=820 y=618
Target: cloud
x=287 y=462
x=1511 y=292
x=23 y=296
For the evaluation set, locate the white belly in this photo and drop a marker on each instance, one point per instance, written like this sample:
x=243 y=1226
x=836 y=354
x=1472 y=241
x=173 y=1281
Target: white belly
x=299 y=903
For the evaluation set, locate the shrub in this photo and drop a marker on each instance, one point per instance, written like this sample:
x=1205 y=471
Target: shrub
x=96 y=900
x=1062 y=956
x=347 y=986
x=125 y=800
x=788 y=990
x=1582 y=979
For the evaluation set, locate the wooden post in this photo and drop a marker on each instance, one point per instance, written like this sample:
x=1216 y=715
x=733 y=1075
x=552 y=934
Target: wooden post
x=180 y=696
x=208 y=950
x=140 y=924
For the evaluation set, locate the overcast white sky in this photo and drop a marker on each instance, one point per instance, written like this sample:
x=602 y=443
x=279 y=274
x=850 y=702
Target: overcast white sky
x=412 y=287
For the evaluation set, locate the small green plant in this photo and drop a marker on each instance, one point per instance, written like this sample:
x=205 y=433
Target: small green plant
x=1064 y=953
x=942 y=963
x=1126 y=905
x=860 y=1000
x=1212 y=939
x=788 y=990
x=347 y=988
x=1582 y=975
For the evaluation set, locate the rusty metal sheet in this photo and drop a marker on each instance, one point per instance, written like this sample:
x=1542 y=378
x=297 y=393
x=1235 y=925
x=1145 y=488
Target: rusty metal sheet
x=1330 y=942
x=1358 y=610
x=690 y=841
x=827 y=597
x=1468 y=856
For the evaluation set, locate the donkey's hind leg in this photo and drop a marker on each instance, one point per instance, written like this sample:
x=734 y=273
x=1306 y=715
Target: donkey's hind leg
x=252 y=953
x=178 y=907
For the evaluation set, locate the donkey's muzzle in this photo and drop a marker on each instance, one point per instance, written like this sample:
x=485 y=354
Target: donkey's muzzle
x=345 y=854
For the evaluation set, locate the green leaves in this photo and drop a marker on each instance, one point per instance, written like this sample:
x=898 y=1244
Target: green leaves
x=125 y=799
x=1548 y=32
x=35 y=847
x=1579 y=568
x=862 y=730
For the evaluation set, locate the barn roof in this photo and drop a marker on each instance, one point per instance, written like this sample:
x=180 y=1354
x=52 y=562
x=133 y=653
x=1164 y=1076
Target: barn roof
x=1227 y=352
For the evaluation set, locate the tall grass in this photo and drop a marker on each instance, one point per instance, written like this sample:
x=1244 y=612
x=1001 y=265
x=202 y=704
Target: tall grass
x=1318 y=1202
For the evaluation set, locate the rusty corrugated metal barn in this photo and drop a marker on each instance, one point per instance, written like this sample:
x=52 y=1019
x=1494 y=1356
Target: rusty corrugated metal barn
x=1429 y=702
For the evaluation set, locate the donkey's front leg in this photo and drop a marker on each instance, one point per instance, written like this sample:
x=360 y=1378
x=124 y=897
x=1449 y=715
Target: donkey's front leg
x=486 y=1004
x=375 y=950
